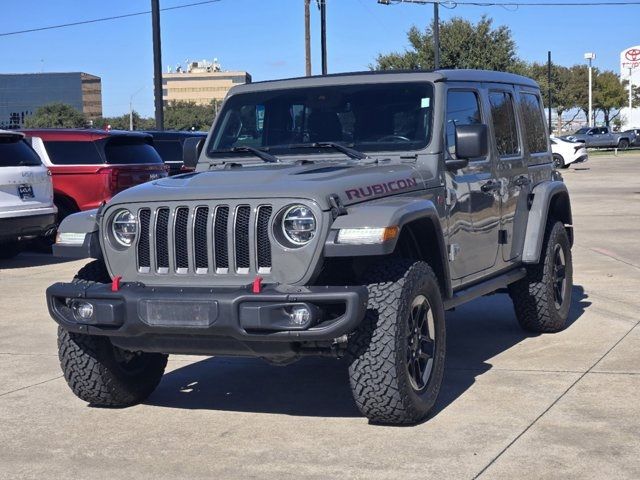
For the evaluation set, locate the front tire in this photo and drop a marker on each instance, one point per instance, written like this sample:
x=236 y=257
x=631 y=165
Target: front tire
x=542 y=299
x=100 y=373
x=397 y=355
x=623 y=144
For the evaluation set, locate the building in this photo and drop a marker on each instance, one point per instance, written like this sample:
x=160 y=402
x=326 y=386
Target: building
x=200 y=82
x=630 y=71
x=21 y=94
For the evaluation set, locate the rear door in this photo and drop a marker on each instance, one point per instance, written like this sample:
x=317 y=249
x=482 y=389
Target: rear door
x=511 y=167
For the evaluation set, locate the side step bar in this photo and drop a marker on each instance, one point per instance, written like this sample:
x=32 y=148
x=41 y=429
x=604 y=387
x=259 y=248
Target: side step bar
x=484 y=288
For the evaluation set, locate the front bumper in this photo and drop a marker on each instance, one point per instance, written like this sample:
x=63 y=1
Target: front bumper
x=26 y=226
x=206 y=320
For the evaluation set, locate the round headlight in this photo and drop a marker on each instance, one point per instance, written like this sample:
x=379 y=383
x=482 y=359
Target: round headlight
x=124 y=227
x=299 y=224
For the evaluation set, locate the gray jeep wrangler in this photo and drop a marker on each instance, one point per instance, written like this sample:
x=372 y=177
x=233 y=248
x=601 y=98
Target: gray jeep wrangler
x=338 y=216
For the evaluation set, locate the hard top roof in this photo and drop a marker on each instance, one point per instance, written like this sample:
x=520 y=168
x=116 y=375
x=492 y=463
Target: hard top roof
x=381 y=76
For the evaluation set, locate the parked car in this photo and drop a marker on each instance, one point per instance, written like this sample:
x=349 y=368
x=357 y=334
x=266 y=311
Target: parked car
x=336 y=215
x=170 y=145
x=601 y=137
x=566 y=152
x=91 y=166
x=635 y=133
x=26 y=194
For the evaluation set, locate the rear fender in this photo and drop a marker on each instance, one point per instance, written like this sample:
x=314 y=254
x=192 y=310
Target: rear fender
x=549 y=198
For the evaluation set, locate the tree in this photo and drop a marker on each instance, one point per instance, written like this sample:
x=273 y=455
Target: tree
x=609 y=95
x=189 y=115
x=579 y=86
x=56 y=115
x=122 y=122
x=463 y=45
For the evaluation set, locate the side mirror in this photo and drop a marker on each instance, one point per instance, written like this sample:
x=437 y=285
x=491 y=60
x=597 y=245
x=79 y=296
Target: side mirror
x=472 y=141
x=191 y=149
x=590 y=132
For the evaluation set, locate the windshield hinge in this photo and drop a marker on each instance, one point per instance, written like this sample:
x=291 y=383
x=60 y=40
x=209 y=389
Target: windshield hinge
x=337 y=208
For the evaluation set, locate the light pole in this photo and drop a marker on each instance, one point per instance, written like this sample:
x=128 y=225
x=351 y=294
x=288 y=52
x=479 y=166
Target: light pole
x=131 y=107
x=591 y=57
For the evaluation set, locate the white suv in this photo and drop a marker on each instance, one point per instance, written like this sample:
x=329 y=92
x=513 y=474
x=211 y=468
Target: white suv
x=26 y=194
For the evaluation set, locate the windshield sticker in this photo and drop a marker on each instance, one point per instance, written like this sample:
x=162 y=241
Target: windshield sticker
x=425 y=102
x=380 y=188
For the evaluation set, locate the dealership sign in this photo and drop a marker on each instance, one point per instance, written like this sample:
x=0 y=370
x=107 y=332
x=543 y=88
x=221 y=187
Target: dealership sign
x=630 y=59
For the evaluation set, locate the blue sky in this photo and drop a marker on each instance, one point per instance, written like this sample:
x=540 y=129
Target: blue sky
x=265 y=37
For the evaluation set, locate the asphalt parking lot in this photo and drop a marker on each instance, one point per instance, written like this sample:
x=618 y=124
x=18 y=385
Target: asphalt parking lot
x=513 y=405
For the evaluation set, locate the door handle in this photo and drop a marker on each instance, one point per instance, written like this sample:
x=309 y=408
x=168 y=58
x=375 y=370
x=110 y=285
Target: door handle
x=522 y=181
x=490 y=186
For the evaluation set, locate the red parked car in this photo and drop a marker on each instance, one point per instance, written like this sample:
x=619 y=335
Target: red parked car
x=91 y=166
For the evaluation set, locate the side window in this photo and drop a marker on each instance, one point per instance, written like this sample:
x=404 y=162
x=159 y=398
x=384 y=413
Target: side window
x=463 y=108
x=533 y=123
x=504 y=123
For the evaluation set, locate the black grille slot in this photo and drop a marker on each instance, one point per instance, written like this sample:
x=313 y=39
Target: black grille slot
x=243 y=215
x=162 y=239
x=220 y=238
x=181 y=246
x=144 y=251
x=200 y=238
x=262 y=237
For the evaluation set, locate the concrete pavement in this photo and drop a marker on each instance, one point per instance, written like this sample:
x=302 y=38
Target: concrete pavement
x=513 y=405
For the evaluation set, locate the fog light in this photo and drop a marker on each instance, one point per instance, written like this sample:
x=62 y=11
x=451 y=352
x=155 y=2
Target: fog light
x=299 y=315
x=82 y=311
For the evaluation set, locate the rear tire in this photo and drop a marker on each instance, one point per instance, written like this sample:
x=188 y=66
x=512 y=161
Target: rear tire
x=397 y=354
x=558 y=161
x=542 y=299
x=100 y=373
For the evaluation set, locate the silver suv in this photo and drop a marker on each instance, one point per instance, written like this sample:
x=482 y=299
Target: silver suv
x=340 y=215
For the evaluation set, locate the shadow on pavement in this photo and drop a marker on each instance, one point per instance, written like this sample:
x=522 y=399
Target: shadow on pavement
x=31 y=259
x=320 y=386
x=479 y=331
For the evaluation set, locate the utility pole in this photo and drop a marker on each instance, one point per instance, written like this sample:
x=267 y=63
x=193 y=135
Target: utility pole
x=157 y=64
x=323 y=33
x=307 y=37
x=549 y=85
x=436 y=34
x=591 y=57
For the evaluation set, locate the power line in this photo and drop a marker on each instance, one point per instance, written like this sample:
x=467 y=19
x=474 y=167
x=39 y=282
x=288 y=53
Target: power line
x=105 y=19
x=454 y=4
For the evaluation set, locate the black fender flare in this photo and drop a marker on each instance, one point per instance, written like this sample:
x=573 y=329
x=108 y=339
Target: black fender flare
x=389 y=212
x=547 y=196
x=80 y=223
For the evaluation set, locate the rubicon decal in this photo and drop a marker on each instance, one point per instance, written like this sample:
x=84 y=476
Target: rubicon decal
x=381 y=188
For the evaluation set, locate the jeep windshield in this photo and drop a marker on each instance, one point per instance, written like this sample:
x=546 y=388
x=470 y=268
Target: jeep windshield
x=362 y=117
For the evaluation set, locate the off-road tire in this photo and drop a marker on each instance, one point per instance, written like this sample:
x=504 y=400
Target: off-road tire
x=100 y=373
x=623 y=144
x=379 y=376
x=558 y=161
x=9 y=250
x=533 y=296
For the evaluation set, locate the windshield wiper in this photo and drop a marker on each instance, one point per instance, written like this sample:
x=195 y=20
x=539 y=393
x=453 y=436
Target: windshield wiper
x=350 y=152
x=267 y=157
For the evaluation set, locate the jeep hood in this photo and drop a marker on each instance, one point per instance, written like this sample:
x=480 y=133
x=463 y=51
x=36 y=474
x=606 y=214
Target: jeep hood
x=353 y=182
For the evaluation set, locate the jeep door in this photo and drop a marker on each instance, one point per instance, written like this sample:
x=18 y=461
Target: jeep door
x=475 y=211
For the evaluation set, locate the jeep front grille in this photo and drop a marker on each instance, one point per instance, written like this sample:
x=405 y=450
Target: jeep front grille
x=207 y=239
